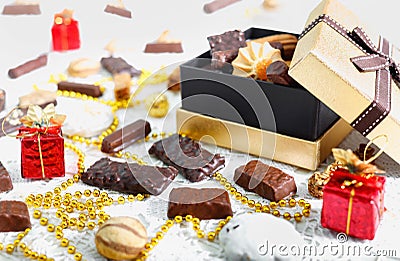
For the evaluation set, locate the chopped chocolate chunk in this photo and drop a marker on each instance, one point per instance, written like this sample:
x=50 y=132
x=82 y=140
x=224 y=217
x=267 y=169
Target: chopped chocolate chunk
x=118 y=11
x=163 y=48
x=118 y=65
x=220 y=58
x=28 y=67
x=5 y=179
x=231 y=40
x=188 y=157
x=216 y=5
x=204 y=203
x=14 y=216
x=129 y=178
x=21 y=9
x=267 y=181
x=2 y=99
x=125 y=136
x=277 y=72
x=88 y=89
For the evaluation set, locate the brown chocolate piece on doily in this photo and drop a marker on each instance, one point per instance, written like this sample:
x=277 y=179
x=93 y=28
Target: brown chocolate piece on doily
x=5 y=180
x=203 y=203
x=267 y=181
x=14 y=216
x=129 y=178
x=186 y=155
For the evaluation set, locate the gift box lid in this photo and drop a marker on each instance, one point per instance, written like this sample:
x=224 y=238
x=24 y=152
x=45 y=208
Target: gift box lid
x=352 y=70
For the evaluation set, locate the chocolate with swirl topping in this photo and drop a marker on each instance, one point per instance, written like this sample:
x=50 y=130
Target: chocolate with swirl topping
x=129 y=178
x=188 y=157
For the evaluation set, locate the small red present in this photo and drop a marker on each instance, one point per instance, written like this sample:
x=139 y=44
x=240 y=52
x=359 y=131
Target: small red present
x=65 y=32
x=42 y=144
x=353 y=203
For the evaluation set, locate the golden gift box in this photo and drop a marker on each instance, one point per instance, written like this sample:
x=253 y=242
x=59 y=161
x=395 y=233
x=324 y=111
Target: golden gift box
x=354 y=72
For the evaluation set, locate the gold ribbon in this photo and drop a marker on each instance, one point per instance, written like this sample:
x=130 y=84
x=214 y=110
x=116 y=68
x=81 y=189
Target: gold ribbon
x=354 y=184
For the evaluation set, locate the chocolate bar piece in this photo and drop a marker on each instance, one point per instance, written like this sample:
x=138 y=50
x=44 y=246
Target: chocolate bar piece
x=125 y=136
x=277 y=72
x=14 y=216
x=188 y=157
x=118 y=11
x=217 y=4
x=28 y=67
x=2 y=99
x=163 y=48
x=267 y=181
x=231 y=40
x=118 y=65
x=129 y=178
x=5 y=179
x=88 y=89
x=204 y=203
x=21 y=9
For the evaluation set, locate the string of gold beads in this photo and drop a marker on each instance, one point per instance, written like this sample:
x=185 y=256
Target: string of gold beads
x=272 y=207
x=210 y=236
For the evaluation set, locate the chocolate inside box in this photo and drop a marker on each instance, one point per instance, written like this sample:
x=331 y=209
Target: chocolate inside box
x=218 y=93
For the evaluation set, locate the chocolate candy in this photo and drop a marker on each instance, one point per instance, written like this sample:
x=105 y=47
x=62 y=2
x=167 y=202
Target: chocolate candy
x=125 y=136
x=118 y=11
x=188 y=157
x=28 y=67
x=204 y=203
x=5 y=180
x=88 y=89
x=21 y=9
x=277 y=72
x=267 y=181
x=2 y=99
x=129 y=178
x=121 y=238
x=231 y=40
x=217 y=4
x=118 y=65
x=163 y=48
x=316 y=183
x=14 y=216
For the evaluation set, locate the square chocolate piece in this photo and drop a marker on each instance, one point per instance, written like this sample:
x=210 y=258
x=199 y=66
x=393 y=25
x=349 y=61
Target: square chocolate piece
x=21 y=9
x=204 y=203
x=5 y=180
x=14 y=216
x=267 y=181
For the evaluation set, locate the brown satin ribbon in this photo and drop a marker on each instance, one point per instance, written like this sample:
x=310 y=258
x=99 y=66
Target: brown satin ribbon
x=376 y=59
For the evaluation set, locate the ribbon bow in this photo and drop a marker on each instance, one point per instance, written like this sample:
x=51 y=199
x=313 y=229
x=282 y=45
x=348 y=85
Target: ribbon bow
x=375 y=59
x=38 y=117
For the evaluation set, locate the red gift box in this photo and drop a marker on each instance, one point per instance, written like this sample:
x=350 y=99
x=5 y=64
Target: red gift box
x=65 y=32
x=353 y=204
x=42 y=152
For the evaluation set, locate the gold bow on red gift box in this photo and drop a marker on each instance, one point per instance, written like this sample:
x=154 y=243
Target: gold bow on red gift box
x=64 y=17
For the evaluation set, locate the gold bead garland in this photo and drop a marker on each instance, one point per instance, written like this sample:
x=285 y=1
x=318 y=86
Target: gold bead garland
x=271 y=208
x=210 y=236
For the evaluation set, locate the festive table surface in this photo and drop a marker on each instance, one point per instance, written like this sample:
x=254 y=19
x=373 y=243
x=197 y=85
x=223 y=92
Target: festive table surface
x=26 y=37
